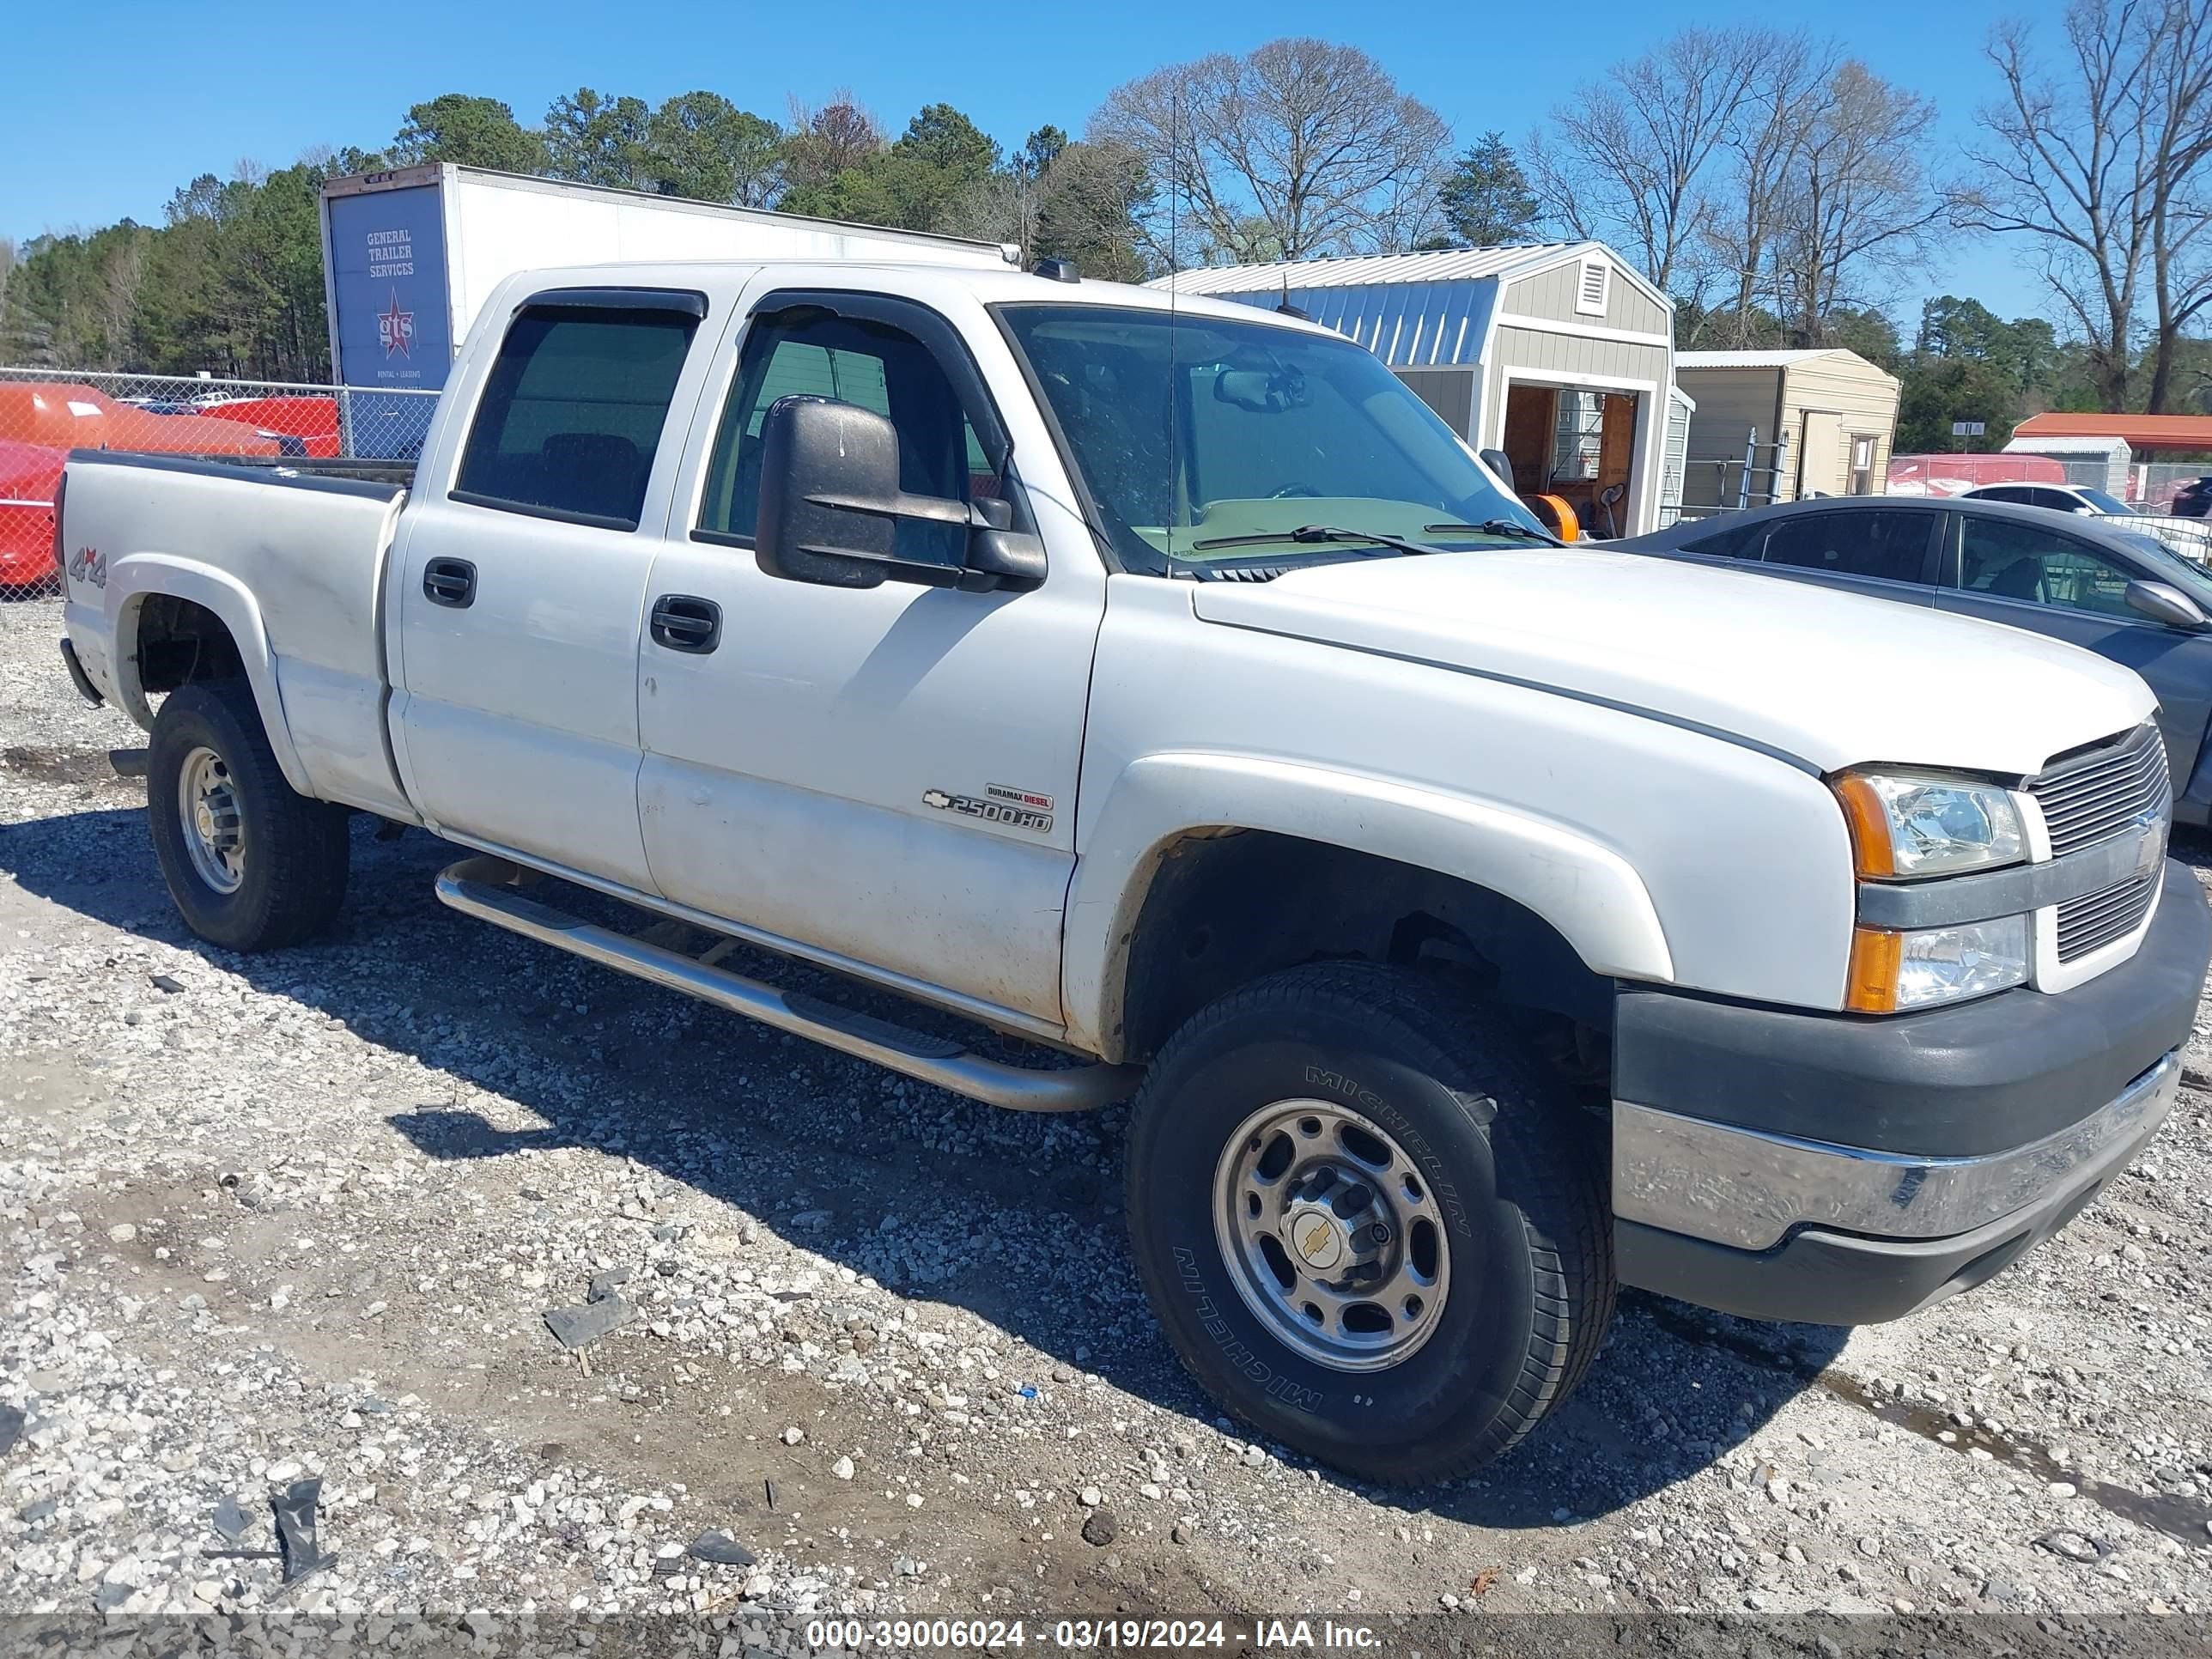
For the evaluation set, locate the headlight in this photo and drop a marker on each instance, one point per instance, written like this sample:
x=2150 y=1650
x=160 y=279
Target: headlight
x=1907 y=823
x=1893 y=971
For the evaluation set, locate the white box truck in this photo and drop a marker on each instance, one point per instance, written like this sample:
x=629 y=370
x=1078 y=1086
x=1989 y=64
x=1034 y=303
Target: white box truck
x=410 y=256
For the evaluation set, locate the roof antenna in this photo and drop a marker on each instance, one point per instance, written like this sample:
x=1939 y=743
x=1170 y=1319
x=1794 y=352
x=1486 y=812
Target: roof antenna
x=1174 y=271
x=1286 y=308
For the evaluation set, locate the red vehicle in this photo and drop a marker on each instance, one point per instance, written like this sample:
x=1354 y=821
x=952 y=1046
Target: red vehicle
x=1955 y=475
x=41 y=421
x=302 y=426
x=28 y=475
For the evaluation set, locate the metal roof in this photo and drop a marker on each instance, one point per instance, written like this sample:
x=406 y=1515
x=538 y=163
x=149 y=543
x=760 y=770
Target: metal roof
x=1750 y=359
x=1362 y=270
x=1413 y=310
x=2045 y=443
x=2186 y=432
x=1407 y=324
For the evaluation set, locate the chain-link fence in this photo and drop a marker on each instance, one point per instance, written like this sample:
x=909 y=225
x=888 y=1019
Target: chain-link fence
x=45 y=413
x=2191 y=537
x=2154 y=484
x=1955 y=475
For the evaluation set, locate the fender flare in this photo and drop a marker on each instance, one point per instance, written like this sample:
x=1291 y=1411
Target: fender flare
x=1590 y=893
x=136 y=577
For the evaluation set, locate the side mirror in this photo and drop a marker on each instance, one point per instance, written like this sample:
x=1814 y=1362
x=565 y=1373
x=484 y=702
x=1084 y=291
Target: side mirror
x=1500 y=463
x=2162 y=602
x=830 y=506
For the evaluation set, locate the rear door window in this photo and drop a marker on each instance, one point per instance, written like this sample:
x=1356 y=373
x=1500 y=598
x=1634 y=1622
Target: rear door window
x=573 y=411
x=1886 y=545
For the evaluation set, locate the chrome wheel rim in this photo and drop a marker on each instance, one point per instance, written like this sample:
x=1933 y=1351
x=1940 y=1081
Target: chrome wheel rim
x=1331 y=1235
x=214 y=830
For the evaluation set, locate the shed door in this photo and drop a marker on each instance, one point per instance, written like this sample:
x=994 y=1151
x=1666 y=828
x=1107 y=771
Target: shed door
x=1820 y=453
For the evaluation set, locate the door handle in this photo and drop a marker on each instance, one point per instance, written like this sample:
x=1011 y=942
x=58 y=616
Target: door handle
x=680 y=623
x=450 y=583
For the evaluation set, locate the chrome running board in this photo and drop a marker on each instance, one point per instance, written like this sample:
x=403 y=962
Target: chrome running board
x=483 y=887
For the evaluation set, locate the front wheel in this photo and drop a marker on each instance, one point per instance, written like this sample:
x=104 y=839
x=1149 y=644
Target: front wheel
x=253 y=864
x=1367 y=1225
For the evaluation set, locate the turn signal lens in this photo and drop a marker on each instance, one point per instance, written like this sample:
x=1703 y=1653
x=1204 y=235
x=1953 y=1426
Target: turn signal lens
x=1876 y=955
x=1871 y=845
x=1890 y=971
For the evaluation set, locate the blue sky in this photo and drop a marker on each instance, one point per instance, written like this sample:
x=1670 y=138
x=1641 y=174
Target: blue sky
x=106 y=119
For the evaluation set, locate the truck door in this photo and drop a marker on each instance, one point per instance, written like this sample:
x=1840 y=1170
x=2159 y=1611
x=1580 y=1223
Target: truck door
x=522 y=583
x=885 y=775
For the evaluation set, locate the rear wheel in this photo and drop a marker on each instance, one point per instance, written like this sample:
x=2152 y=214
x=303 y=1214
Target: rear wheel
x=253 y=864
x=1366 y=1225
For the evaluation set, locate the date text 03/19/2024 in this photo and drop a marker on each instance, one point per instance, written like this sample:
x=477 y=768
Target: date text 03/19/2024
x=1079 y=1635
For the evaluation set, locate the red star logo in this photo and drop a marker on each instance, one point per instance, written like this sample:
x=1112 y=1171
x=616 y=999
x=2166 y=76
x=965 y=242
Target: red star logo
x=395 y=328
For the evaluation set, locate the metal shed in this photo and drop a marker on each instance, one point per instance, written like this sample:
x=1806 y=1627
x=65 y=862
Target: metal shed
x=1777 y=426
x=2100 y=463
x=1561 y=355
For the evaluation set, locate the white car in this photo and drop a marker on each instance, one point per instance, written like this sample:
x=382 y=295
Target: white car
x=1476 y=924
x=2059 y=498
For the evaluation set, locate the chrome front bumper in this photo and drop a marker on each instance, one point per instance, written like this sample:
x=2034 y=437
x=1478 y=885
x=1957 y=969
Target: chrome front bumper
x=1748 y=1190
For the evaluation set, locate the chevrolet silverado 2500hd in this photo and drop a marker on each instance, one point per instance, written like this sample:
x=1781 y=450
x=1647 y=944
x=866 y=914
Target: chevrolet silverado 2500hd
x=1477 y=923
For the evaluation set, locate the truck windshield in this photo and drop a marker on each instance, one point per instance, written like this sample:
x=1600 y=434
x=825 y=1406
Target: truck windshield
x=1203 y=439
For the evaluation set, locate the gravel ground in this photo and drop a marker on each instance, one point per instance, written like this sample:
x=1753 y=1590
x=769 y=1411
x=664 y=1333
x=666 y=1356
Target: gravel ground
x=268 y=1218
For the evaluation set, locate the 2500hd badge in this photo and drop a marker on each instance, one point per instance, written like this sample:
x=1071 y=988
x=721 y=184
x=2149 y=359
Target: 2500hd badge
x=1021 y=808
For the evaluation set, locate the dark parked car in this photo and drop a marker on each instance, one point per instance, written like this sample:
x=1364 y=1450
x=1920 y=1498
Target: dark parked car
x=2118 y=593
x=2193 y=499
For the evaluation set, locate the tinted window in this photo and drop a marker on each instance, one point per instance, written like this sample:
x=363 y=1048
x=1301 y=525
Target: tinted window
x=1738 y=542
x=572 y=413
x=2005 y=493
x=2020 y=562
x=1890 y=545
x=882 y=369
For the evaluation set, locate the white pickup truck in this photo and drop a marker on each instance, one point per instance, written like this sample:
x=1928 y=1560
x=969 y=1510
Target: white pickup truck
x=1478 y=924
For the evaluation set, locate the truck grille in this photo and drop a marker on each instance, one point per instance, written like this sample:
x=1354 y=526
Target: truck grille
x=2098 y=918
x=2101 y=791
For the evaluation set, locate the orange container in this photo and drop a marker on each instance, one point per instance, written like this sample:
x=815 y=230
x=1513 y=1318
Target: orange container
x=63 y=416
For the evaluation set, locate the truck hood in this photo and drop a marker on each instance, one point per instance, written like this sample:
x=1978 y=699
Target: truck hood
x=1829 y=678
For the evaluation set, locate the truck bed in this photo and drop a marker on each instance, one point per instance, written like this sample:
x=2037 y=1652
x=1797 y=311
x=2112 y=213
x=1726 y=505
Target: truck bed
x=288 y=556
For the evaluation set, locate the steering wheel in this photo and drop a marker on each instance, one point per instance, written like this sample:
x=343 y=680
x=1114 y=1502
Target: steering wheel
x=1290 y=491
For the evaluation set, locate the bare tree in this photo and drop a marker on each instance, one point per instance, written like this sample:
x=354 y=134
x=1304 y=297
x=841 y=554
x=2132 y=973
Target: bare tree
x=821 y=144
x=1789 y=80
x=2104 y=166
x=1090 y=207
x=1630 y=159
x=1081 y=204
x=1300 y=148
x=2180 y=246
x=1854 y=199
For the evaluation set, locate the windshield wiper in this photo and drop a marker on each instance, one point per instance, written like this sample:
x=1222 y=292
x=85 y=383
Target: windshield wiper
x=1502 y=527
x=1311 y=533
